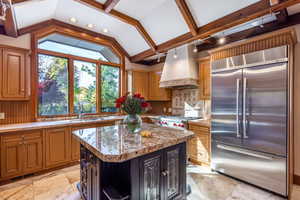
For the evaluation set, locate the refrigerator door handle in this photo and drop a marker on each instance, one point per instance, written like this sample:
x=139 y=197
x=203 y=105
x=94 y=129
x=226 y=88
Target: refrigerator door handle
x=244 y=108
x=245 y=152
x=238 y=135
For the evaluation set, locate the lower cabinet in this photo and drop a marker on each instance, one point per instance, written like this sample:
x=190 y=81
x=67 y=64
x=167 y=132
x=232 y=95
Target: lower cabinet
x=75 y=148
x=199 y=147
x=163 y=174
x=21 y=153
x=57 y=146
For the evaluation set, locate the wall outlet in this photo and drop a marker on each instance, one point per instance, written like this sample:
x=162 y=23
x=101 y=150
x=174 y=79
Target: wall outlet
x=2 y=115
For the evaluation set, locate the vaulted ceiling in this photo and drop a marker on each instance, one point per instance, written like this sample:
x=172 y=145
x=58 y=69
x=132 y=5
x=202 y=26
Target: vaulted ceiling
x=140 y=26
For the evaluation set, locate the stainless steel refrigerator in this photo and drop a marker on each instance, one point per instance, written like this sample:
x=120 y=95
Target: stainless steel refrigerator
x=249 y=118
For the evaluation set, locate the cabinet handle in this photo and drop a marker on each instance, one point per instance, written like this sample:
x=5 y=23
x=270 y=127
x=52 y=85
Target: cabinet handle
x=20 y=143
x=165 y=173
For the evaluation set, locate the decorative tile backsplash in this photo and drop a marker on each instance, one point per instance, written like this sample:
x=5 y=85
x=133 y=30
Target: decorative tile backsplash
x=186 y=102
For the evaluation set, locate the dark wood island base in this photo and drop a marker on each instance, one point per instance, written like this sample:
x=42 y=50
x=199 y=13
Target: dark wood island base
x=113 y=166
x=159 y=175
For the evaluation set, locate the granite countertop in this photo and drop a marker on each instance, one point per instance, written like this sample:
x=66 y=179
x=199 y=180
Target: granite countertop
x=200 y=122
x=61 y=123
x=113 y=144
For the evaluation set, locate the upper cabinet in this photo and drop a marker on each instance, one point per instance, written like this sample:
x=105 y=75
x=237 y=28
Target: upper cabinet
x=147 y=84
x=140 y=83
x=14 y=76
x=155 y=92
x=204 y=78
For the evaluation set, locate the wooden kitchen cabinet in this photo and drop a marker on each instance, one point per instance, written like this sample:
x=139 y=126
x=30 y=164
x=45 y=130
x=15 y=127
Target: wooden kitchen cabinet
x=204 y=78
x=155 y=92
x=15 y=72
x=21 y=153
x=199 y=147
x=57 y=147
x=140 y=83
x=75 y=147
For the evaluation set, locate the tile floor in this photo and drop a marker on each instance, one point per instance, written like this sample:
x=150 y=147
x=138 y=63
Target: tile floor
x=206 y=185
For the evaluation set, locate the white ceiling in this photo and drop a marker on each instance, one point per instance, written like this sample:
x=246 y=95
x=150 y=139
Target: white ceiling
x=161 y=18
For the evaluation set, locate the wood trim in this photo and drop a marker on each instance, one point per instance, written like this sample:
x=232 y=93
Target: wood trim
x=110 y=4
x=122 y=17
x=266 y=41
x=71 y=85
x=296 y=179
x=187 y=15
x=10 y=24
x=241 y=16
x=49 y=26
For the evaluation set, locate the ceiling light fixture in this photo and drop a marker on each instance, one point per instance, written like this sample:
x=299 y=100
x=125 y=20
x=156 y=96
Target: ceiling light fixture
x=195 y=50
x=158 y=57
x=222 y=40
x=105 y=30
x=73 y=19
x=90 y=25
x=175 y=54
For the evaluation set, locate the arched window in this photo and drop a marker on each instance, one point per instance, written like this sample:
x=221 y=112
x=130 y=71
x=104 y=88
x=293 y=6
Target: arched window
x=76 y=76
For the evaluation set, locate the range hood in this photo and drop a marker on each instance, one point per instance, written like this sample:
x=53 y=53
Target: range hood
x=181 y=71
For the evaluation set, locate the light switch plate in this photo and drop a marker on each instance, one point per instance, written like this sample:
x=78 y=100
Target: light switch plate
x=2 y=115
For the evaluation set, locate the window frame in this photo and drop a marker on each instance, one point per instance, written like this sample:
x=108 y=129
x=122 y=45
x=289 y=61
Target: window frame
x=71 y=59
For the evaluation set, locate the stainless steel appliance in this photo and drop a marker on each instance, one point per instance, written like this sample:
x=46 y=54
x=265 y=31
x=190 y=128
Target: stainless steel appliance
x=175 y=121
x=249 y=118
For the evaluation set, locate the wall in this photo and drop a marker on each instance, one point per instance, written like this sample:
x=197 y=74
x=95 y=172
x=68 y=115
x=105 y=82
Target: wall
x=16 y=112
x=297 y=104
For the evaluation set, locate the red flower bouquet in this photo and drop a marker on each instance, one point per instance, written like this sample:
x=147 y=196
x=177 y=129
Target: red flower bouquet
x=133 y=105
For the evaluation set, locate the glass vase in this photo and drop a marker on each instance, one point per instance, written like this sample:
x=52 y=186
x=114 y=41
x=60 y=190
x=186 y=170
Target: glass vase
x=133 y=123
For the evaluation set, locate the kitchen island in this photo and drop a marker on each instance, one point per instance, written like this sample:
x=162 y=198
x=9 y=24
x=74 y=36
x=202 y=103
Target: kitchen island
x=114 y=163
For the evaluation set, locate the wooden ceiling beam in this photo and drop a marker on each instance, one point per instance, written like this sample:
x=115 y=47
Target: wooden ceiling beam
x=124 y=18
x=110 y=4
x=241 y=16
x=47 y=23
x=187 y=15
x=245 y=34
x=282 y=14
x=18 y=1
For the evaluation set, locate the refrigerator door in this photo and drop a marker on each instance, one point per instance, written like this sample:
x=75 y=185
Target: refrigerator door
x=260 y=169
x=226 y=106
x=265 y=108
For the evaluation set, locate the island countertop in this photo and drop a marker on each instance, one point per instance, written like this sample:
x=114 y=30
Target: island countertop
x=114 y=144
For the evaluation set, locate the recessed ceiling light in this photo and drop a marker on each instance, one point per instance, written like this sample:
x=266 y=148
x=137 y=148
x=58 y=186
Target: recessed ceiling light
x=90 y=25
x=73 y=19
x=222 y=40
x=105 y=30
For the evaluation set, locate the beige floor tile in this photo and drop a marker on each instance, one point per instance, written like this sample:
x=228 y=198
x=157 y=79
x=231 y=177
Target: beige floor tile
x=24 y=192
x=73 y=176
x=55 y=187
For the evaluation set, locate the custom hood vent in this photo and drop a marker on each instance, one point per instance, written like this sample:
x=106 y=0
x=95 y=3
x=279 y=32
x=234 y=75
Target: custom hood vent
x=180 y=69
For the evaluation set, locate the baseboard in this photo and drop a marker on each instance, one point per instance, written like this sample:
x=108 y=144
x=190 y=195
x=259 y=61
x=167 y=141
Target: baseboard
x=296 y=179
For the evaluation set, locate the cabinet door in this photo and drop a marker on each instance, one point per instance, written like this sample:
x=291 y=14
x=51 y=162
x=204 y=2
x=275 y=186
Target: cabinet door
x=14 y=75
x=11 y=156
x=205 y=79
x=150 y=177
x=75 y=147
x=57 y=146
x=199 y=149
x=33 y=159
x=140 y=83
x=175 y=162
x=155 y=92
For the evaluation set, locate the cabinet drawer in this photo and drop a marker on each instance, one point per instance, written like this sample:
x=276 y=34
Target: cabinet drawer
x=32 y=135
x=11 y=138
x=203 y=129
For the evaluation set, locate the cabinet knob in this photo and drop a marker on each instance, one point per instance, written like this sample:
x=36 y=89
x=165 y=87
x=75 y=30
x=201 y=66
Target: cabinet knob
x=165 y=173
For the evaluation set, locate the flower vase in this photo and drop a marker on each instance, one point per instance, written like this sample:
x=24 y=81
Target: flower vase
x=133 y=123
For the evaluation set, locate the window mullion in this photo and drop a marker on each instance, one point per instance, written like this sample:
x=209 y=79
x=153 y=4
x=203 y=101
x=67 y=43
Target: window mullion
x=98 y=88
x=71 y=86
